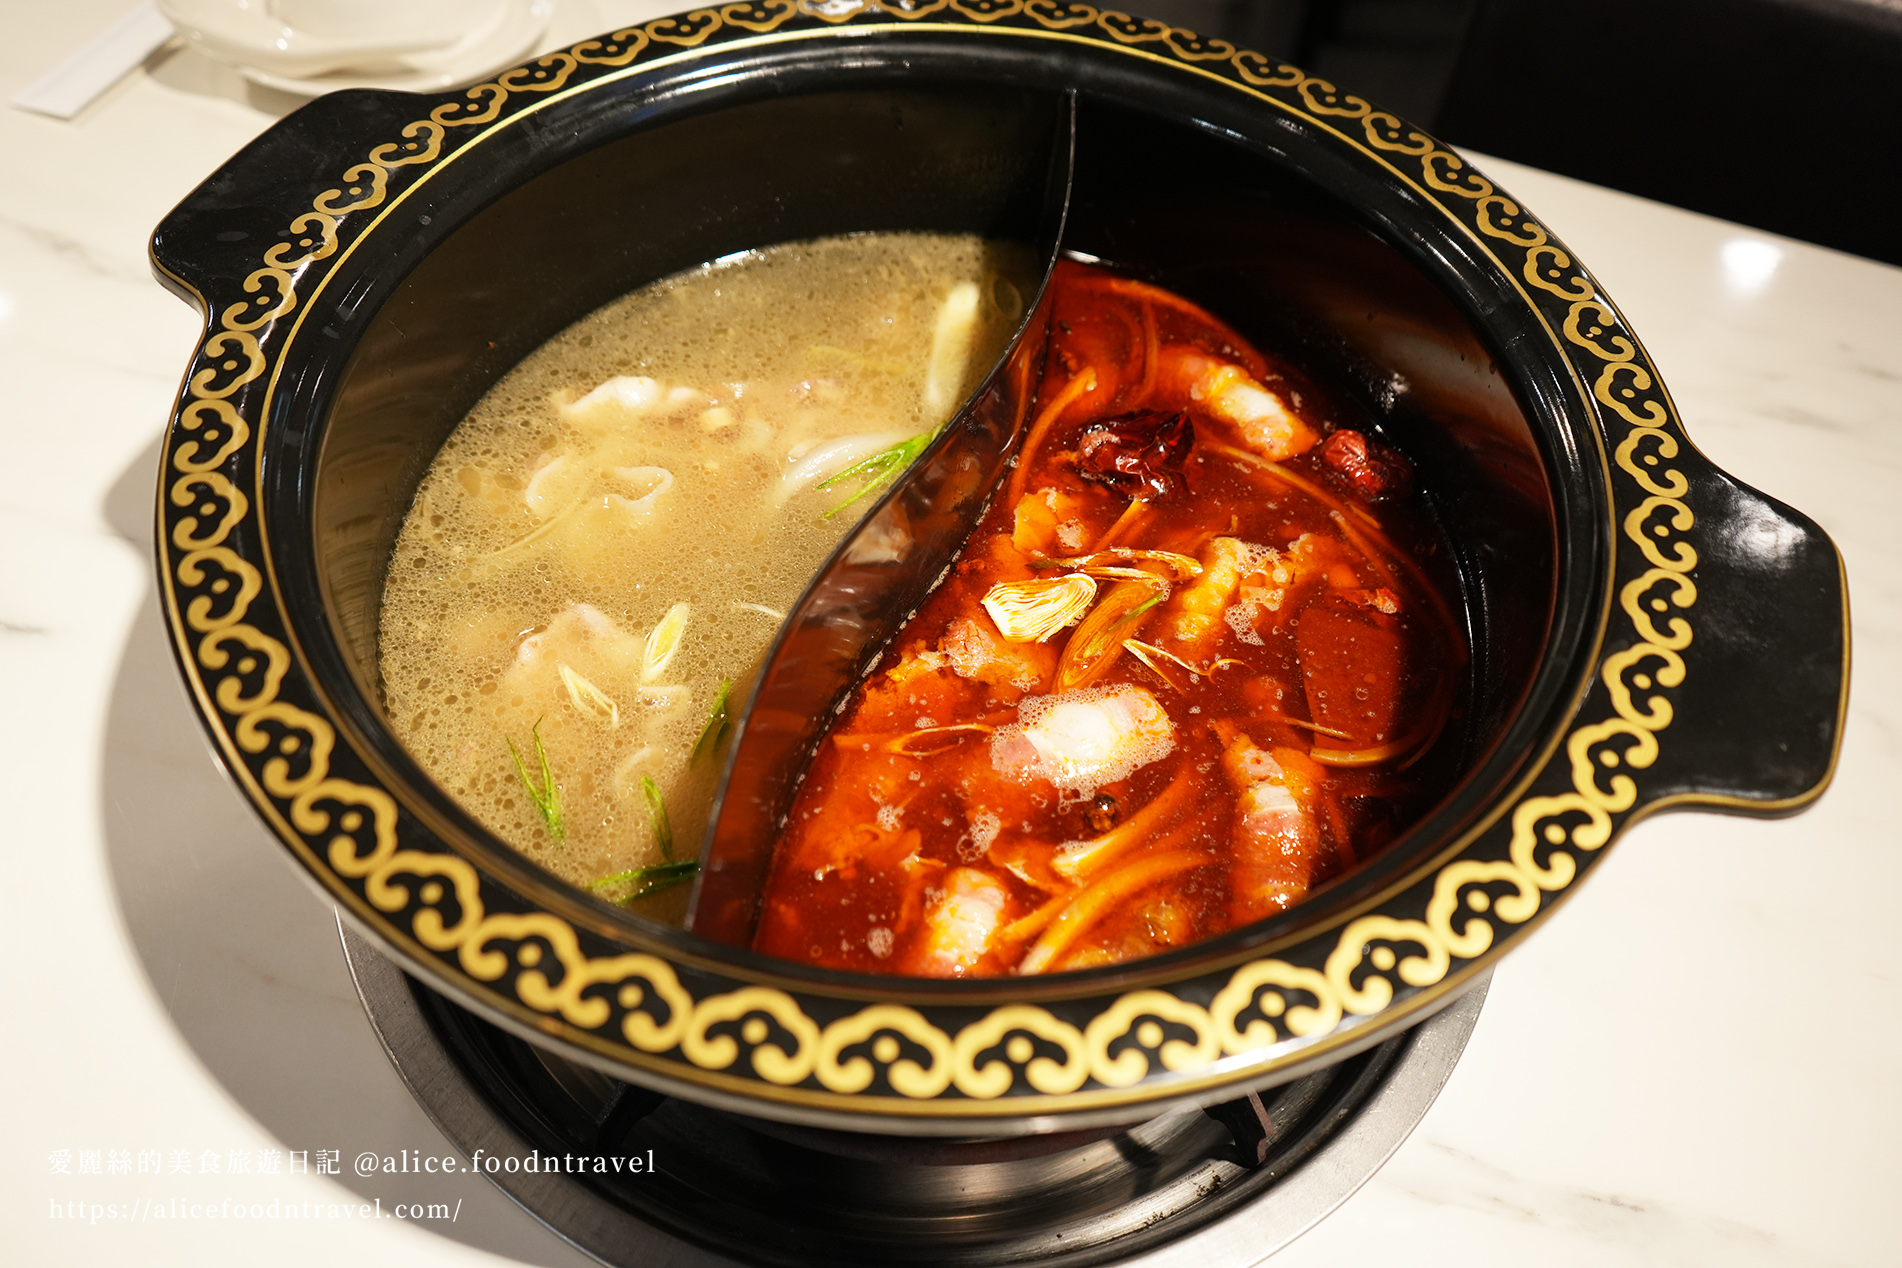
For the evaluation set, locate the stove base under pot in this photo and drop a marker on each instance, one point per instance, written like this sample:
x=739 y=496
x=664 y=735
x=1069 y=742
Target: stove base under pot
x=1216 y=1188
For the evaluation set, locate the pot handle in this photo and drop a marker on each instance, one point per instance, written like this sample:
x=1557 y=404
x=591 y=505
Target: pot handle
x=260 y=203
x=1755 y=631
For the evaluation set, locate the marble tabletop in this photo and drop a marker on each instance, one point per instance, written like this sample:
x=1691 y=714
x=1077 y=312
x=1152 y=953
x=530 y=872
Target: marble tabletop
x=1693 y=1063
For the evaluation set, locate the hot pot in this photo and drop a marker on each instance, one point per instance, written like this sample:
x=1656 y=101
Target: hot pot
x=1646 y=632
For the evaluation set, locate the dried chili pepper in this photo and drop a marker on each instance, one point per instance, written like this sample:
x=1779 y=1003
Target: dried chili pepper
x=1140 y=455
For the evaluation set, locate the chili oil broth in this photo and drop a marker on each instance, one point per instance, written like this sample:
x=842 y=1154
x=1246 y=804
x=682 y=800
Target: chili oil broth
x=873 y=831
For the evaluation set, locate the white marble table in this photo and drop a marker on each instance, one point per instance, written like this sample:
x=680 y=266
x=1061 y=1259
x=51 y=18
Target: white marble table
x=1655 y=1080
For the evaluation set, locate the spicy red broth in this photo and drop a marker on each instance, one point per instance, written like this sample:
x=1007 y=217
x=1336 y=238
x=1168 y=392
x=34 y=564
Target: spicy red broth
x=1183 y=672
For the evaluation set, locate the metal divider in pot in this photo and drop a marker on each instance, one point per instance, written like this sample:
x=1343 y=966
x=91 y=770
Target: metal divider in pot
x=880 y=572
x=1247 y=235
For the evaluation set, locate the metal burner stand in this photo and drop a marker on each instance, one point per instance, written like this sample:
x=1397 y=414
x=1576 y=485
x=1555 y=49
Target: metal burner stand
x=1218 y=1188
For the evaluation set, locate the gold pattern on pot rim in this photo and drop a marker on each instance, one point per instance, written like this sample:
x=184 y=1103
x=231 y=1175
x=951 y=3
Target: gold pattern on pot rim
x=758 y=1041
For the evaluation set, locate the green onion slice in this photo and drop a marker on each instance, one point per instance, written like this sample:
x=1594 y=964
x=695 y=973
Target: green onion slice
x=714 y=733
x=547 y=798
x=648 y=880
x=879 y=468
x=657 y=811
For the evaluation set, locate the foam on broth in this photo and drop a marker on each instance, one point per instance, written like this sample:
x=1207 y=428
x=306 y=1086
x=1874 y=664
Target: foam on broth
x=650 y=478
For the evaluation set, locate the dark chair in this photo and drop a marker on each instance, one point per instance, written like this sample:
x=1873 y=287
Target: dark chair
x=1396 y=52
x=1782 y=114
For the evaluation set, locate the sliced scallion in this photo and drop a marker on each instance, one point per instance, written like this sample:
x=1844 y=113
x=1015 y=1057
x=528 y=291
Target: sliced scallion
x=547 y=798
x=657 y=811
x=713 y=734
x=648 y=880
x=879 y=468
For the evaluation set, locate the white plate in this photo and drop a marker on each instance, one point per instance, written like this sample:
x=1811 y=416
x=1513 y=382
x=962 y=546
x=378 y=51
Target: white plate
x=510 y=38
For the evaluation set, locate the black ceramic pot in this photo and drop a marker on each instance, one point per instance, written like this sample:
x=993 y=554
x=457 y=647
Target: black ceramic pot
x=1646 y=631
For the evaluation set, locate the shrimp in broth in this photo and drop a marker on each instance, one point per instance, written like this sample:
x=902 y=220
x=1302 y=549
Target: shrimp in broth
x=1182 y=673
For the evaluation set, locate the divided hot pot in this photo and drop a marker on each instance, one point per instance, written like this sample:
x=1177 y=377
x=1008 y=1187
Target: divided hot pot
x=1645 y=631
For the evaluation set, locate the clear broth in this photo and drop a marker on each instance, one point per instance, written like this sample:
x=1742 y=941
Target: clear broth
x=560 y=526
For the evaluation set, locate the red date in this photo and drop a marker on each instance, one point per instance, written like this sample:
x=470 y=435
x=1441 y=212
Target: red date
x=1368 y=468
